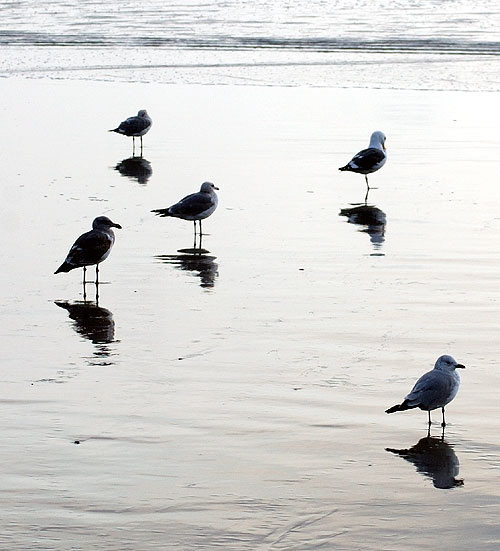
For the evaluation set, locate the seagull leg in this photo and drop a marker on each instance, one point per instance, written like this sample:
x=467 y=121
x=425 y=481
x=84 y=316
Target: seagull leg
x=84 y=274
x=141 y=146
x=84 y=287
x=443 y=424
x=97 y=284
x=429 y=416
x=199 y=222
x=366 y=180
x=133 y=146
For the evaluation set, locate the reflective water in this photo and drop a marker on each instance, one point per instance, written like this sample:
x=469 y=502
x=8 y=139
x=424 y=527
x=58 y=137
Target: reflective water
x=234 y=396
x=425 y=44
x=230 y=393
x=435 y=458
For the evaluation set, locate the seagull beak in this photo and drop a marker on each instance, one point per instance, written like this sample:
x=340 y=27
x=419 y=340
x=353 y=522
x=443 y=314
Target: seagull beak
x=117 y=226
x=215 y=187
x=383 y=146
x=460 y=366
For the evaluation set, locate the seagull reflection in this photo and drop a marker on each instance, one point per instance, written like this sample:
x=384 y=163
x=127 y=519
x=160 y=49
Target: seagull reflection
x=135 y=168
x=435 y=458
x=371 y=218
x=197 y=260
x=92 y=322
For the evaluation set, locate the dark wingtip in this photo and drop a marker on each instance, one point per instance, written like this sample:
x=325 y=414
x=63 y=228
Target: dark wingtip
x=64 y=268
x=161 y=212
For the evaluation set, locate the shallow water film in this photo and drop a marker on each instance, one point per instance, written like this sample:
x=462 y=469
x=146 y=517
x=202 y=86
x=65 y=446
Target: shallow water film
x=229 y=391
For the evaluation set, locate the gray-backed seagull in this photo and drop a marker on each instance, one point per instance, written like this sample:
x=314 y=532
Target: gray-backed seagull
x=434 y=389
x=196 y=206
x=135 y=126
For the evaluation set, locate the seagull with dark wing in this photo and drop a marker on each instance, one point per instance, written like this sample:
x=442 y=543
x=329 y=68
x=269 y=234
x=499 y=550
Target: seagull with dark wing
x=91 y=248
x=135 y=126
x=196 y=206
x=369 y=160
x=434 y=389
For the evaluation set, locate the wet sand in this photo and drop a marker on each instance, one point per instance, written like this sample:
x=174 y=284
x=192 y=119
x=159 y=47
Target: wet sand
x=236 y=398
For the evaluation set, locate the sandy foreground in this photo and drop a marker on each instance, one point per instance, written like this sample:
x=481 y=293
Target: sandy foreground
x=236 y=398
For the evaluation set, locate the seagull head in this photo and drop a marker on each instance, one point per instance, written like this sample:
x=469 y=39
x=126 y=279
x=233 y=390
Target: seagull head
x=447 y=363
x=103 y=222
x=377 y=140
x=142 y=113
x=208 y=187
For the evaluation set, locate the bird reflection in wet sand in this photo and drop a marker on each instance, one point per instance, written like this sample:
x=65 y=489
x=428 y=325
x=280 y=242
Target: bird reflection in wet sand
x=435 y=458
x=371 y=218
x=92 y=322
x=135 y=168
x=195 y=259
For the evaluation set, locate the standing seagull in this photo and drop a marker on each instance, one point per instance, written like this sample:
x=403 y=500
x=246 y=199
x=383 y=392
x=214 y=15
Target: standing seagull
x=196 y=206
x=434 y=389
x=135 y=126
x=91 y=248
x=369 y=160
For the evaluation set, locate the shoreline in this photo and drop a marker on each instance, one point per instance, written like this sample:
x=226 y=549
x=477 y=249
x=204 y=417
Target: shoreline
x=391 y=71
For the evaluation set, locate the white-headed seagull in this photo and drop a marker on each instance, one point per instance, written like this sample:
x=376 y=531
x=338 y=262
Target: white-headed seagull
x=370 y=159
x=196 y=206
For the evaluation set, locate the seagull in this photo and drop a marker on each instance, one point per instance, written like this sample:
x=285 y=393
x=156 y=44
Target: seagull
x=434 y=389
x=135 y=126
x=91 y=247
x=369 y=160
x=196 y=206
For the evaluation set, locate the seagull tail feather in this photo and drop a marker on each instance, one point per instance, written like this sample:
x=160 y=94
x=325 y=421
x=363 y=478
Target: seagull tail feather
x=399 y=407
x=64 y=267
x=346 y=167
x=162 y=212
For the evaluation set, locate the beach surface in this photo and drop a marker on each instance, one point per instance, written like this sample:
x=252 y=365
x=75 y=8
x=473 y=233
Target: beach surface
x=234 y=397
